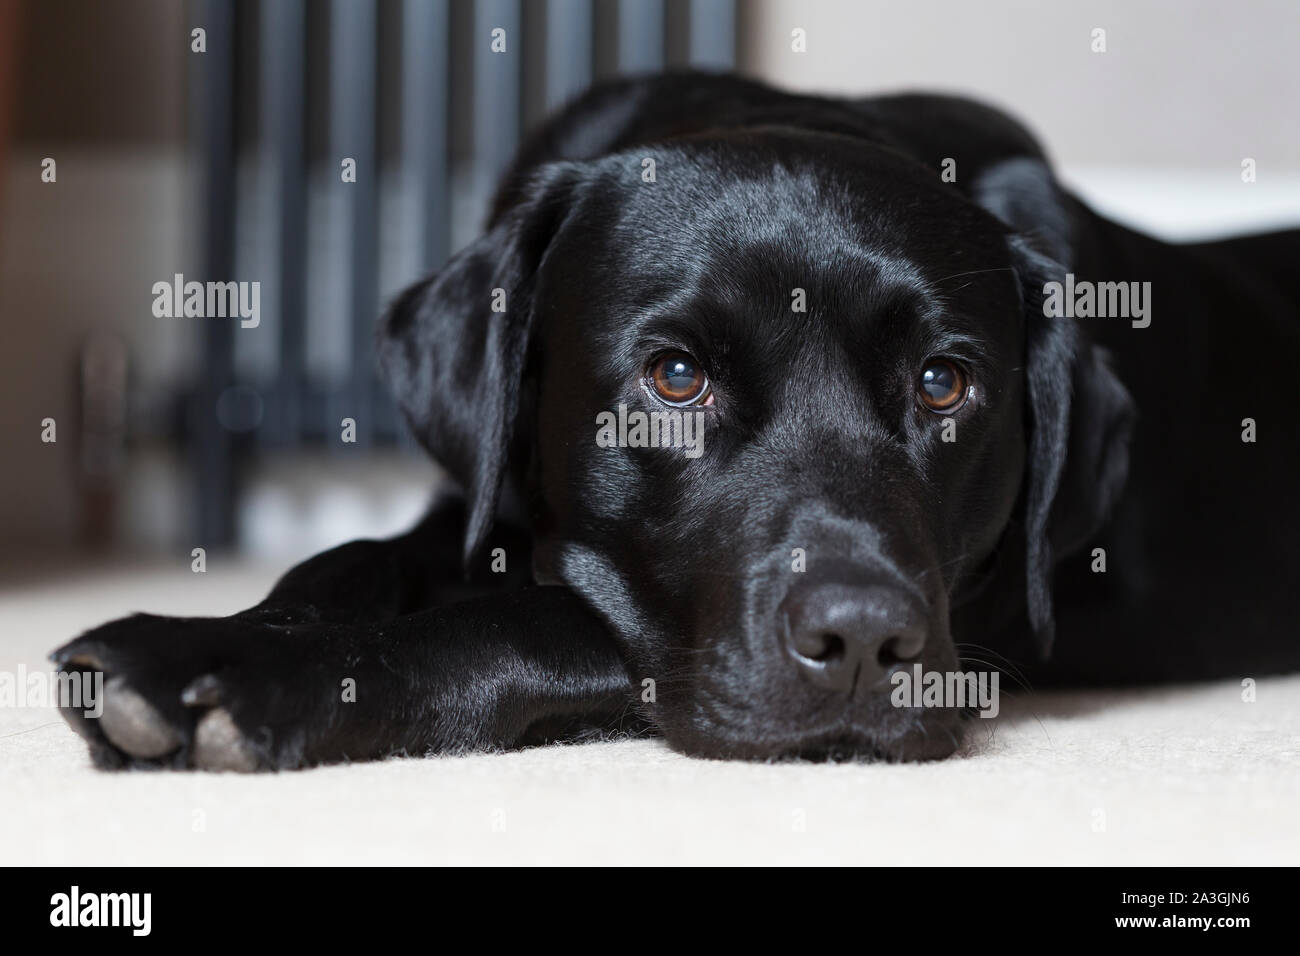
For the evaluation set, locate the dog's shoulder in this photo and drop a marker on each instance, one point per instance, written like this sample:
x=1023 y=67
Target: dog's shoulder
x=942 y=125
x=619 y=114
x=995 y=160
x=626 y=112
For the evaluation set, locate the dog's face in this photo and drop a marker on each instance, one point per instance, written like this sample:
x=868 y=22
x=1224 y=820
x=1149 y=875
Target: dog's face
x=846 y=341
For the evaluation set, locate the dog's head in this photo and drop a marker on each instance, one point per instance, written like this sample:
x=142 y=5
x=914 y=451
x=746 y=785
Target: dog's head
x=779 y=408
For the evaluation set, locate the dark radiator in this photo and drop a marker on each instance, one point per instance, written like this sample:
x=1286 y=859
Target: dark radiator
x=411 y=91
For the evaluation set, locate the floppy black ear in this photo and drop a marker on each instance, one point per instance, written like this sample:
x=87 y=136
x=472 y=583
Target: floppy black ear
x=454 y=346
x=1080 y=417
x=1080 y=421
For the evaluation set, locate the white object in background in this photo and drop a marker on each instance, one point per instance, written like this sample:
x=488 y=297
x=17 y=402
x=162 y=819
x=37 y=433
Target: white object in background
x=1183 y=205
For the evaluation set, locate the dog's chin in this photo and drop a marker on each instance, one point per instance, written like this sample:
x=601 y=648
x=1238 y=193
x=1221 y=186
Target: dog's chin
x=940 y=734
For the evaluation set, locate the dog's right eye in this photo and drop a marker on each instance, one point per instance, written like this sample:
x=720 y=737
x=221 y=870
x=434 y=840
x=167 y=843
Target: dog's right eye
x=678 y=379
x=942 y=386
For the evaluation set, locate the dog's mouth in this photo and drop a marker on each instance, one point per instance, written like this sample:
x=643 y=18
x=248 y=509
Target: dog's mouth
x=935 y=743
x=939 y=734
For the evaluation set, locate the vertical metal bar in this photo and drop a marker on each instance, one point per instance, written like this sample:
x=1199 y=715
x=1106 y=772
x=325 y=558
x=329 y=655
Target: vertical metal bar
x=496 y=88
x=283 y=117
x=353 y=78
x=640 y=35
x=713 y=34
x=569 y=25
x=213 y=114
x=425 y=79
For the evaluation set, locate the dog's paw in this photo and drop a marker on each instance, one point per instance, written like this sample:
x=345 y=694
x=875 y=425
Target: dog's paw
x=209 y=693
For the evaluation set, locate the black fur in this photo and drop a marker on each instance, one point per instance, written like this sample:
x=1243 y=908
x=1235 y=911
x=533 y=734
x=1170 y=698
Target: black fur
x=635 y=565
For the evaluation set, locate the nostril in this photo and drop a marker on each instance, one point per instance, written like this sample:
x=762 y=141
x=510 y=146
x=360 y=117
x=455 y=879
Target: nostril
x=897 y=650
x=823 y=647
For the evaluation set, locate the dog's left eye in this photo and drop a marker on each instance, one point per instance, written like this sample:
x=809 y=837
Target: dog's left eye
x=942 y=386
x=677 y=378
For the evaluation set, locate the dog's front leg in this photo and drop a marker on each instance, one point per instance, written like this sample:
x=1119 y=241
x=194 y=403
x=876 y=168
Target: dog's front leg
x=345 y=661
x=243 y=694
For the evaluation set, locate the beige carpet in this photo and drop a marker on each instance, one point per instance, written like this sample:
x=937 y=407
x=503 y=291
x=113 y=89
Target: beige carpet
x=1175 y=776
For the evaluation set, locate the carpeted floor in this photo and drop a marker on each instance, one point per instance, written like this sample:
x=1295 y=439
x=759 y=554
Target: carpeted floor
x=1189 y=775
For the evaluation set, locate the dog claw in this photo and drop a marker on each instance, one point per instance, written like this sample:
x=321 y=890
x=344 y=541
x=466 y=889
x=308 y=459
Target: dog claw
x=66 y=658
x=219 y=744
x=203 y=691
x=133 y=724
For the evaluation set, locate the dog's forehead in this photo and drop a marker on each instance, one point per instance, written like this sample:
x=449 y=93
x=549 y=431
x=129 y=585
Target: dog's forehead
x=745 y=213
x=781 y=187
x=777 y=241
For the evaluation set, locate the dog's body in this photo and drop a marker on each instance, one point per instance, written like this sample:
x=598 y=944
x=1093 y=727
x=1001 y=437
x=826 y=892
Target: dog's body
x=842 y=521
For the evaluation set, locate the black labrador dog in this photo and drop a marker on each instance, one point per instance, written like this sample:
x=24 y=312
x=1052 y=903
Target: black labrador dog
x=925 y=408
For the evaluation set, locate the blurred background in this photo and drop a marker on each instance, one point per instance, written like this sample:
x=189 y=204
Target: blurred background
x=218 y=155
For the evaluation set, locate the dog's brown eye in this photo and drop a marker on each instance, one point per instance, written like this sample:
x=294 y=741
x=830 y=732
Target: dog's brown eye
x=677 y=378
x=942 y=387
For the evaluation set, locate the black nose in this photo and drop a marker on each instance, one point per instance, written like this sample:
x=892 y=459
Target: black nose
x=842 y=636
